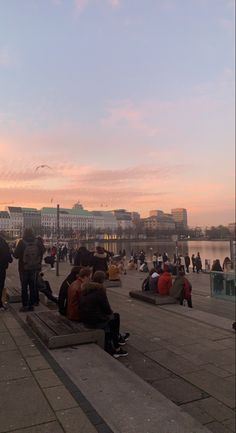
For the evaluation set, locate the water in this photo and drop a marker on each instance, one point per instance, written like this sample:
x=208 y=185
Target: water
x=209 y=250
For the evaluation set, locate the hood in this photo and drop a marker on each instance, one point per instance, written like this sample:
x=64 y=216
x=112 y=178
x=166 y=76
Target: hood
x=91 y=287
x=100 y=256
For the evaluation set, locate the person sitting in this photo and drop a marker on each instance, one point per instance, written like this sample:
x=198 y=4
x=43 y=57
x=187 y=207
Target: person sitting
x=113 y=272
x=73 y=294
x=63 y=292
x=164 y=283
x=95 y=312
x=182 y=289
x=131 y=265
x=44 y=287
x=143 y=267
x=153 y=280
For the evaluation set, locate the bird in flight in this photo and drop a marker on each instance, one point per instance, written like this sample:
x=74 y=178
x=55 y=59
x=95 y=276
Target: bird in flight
x=43 y=166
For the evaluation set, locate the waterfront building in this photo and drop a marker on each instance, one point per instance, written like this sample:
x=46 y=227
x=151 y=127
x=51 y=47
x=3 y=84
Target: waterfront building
x=31 y=219
x=4 y=222
x=16 y=220
x=159 y=221
x=105 y=220
x=180 y=217
x=123 y=218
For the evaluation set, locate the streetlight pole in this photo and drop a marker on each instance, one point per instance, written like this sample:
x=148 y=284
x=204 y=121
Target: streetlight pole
x=58 y=239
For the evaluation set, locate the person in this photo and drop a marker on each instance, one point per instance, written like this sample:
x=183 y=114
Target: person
x=143 y=267
x=181 y=261
x=227 y=265
x=95 y=312
x=5 y=259
x=73 y=294
x=160 y=260
x=63 y=292
x=131 y=265
x=193 y=259
x=141 y=257
x=99 y=260
x=154 y=260
x=165 y=257
x=135 y=261
x=182 y=289
x=218 y=278
x=198 y=262
x=29 y=252
x=113 y=271
x=187 y=262
x=82 y=257
x=45 y=288
x=164 y=283
x=229 y=277
x=153 y=280
x=71 y=255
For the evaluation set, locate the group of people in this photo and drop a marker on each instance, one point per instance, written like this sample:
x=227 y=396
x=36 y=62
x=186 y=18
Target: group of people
x=82 y=296
x=160 y=281
x=218 y=276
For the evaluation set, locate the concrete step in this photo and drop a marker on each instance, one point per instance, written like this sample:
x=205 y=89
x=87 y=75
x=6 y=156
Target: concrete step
x=151 y=298
x=123 y=400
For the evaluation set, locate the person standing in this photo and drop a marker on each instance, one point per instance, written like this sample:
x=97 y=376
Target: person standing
x=198 y=262
x=5 y=259
x=187 y=262
x=193 y=259
x=29 y=251
x=154 y=260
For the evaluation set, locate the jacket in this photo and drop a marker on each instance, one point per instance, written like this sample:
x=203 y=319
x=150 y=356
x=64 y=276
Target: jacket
x=82 y=257
x=99 y=262
x=94 y=307
x=63 y=293
x=73 y=295
x=164 y=284
x=20 y=248
x=5 y=255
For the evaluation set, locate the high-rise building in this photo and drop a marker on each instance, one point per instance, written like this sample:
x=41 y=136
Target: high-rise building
x=180 y=217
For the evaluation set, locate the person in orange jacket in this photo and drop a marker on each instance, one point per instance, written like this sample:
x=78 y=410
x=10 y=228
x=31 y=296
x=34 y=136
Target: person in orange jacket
x=164 y=283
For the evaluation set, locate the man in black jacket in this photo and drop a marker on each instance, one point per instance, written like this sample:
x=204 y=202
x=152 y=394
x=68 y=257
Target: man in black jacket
x=5 y=259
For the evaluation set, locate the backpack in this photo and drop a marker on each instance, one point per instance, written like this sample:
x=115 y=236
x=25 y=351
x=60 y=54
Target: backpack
x=31 y=256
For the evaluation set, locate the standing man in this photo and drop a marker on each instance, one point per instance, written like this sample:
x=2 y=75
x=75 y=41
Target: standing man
x=187 y=262
x=5 y=259
x=29 y=251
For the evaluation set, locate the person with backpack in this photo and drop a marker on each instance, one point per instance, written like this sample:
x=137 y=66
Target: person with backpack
x=29 y=251
x=5 y=259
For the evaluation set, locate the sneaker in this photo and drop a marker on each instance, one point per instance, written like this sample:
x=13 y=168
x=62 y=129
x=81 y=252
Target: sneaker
x=23 y=309
x=120 y=353
x=122 y=341
x=125 y=335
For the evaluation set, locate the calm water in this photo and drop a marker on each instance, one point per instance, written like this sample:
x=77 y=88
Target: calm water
x=207 y=249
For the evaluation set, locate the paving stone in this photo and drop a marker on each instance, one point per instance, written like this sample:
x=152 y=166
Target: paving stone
x=60 y=398
x=218 y=371
x=217 y=427
x=29 y=350
x=214 y=408
x=6 y=342
x=10 y=322
x=229 y=367
x=37 y=363
x=52 y=427
x=197 y=412
x=47 y=378
x=219 y=357
x=215 y=386
x=178 y=390
x=2 y=326
x=23 y=340
x=12 y=366
x=173 y=362
x=75 y=421
x=22 y=404
x=230 y=423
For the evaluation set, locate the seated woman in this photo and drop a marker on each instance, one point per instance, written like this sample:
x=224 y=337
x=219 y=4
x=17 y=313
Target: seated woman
x=95 y=312
x=73 y=294
x=63 y=292
x=182 y=289
x=113 y=272
x=164 y=283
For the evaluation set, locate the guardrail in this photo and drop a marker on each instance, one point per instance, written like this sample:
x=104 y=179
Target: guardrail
x=223 y=285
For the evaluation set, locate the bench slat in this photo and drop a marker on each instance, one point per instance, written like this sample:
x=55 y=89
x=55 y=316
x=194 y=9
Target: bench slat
x=56 y=323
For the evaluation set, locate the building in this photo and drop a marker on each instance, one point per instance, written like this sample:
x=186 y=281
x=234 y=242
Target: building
x=72 y=221
x=105 y=220
x=160 y=221
x=16 y=221
x=123 y=218
x=4 y=222
x=31 y=219
x=180 y=217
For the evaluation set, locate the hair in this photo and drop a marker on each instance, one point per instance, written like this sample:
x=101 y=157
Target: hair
x=84 y=272
x=28 y=233
x=99 y=249
x=75 y=270
x=99 y=277
x=152 y=271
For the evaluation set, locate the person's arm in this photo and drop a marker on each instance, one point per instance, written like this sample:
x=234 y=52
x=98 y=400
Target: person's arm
x=104 y=303
x=19 y=250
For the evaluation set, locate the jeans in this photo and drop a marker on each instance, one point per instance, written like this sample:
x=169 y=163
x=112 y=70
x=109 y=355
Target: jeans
x=2 y=283
x=29 y=279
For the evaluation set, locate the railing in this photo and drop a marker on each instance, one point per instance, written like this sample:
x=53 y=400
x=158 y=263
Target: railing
x=223 y=285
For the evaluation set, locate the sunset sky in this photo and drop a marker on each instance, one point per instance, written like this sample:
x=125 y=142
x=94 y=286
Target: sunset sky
x=129 y=102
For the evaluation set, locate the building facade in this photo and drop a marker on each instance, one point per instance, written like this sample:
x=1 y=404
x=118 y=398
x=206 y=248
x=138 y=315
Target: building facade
x=180 y=217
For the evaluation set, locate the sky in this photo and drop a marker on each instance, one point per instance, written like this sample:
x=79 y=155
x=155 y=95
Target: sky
x=130 y=104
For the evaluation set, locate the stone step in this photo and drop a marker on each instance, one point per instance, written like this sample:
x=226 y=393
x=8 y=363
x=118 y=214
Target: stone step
x=151 y=298
x=122 y=399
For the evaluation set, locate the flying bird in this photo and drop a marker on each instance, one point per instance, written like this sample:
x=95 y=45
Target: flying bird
x=43 y=166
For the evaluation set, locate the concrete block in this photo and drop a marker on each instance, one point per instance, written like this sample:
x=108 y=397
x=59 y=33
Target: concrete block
x=151 y=298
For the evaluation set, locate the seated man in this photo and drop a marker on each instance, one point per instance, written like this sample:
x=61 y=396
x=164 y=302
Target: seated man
x=164 y=283
x=73 y=294
x=113 y=272
x=95 y=312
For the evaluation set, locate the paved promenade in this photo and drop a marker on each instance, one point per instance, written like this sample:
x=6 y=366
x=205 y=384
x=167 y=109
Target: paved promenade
x=188 y=359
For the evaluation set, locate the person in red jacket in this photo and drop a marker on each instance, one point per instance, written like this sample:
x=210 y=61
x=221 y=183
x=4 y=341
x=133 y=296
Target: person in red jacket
x=164 y=283
x=72 y=312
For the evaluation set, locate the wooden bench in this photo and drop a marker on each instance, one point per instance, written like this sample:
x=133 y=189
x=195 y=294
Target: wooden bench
x=57 y=331
x=13 y=295
x=151 y=298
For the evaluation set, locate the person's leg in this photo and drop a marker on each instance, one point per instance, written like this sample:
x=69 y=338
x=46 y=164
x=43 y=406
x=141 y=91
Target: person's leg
x=32 y=288
x=24 y=288
x=2 y=283
x=48 y=292
x=189 y=301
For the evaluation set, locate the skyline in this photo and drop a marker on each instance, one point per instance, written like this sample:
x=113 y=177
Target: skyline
x=130 y=106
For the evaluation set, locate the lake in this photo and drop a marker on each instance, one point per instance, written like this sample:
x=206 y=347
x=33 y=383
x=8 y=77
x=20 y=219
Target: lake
x=209 y=250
